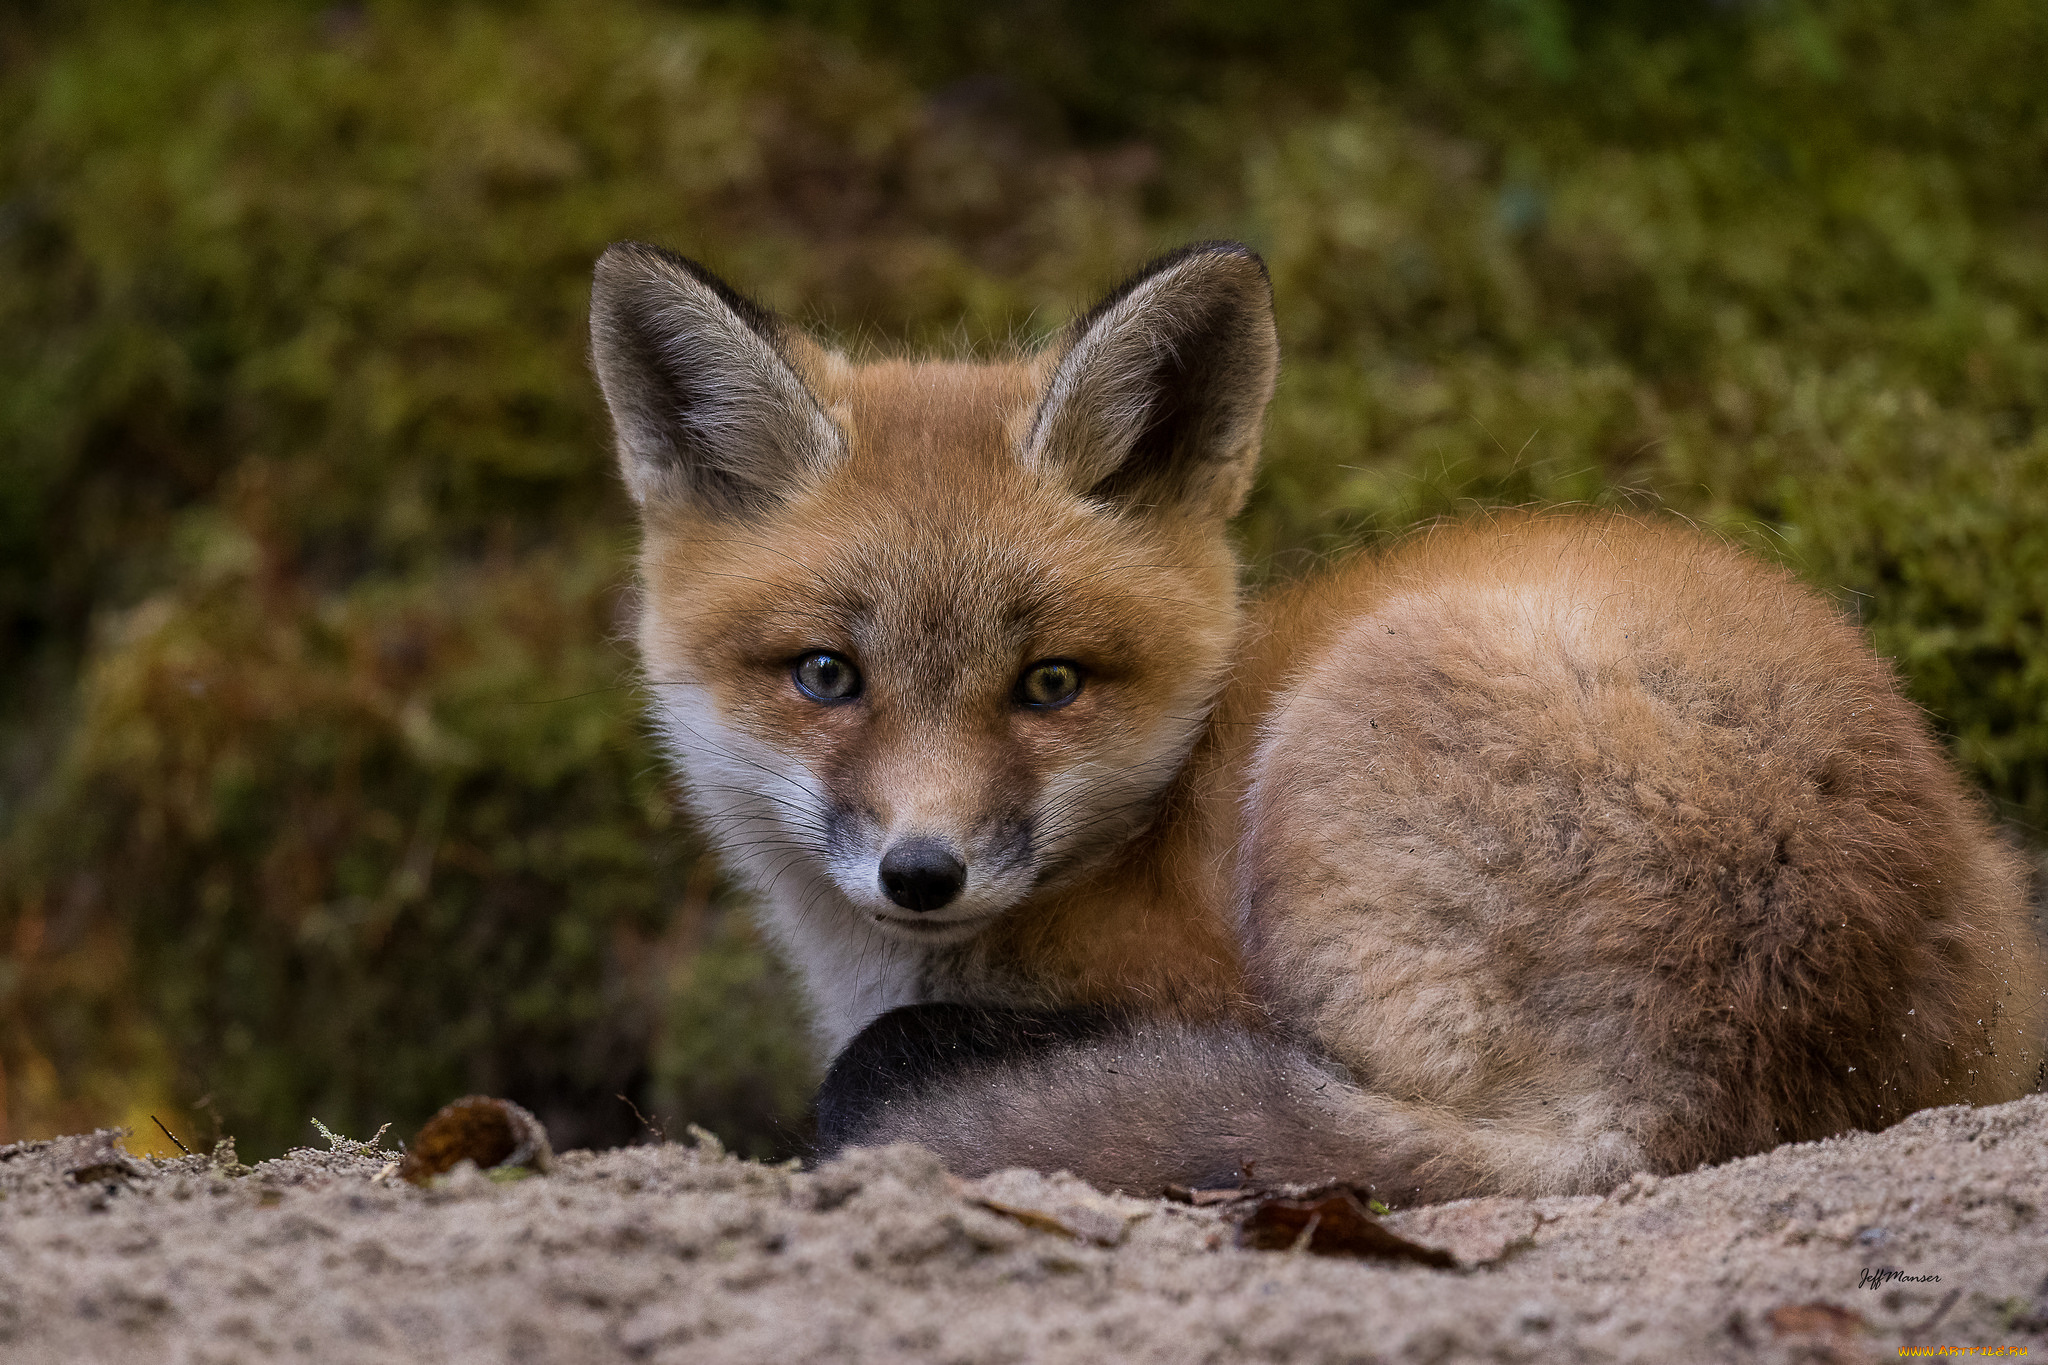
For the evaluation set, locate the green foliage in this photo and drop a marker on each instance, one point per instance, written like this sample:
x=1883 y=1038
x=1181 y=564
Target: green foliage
x=322 y=783
x=355 y=812
x=1109 y=70
x=728 y=1047
x=1808 y=311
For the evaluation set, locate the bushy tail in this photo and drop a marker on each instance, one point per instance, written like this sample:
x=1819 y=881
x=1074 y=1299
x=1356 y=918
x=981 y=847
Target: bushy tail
x=1138 y=1105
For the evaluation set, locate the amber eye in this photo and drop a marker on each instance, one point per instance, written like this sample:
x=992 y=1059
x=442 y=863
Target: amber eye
x=826 y=677
x=1049 y=683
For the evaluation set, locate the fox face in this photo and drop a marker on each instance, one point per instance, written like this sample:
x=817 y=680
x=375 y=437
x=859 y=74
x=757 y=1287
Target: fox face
x=938 y=718
x=926 y=639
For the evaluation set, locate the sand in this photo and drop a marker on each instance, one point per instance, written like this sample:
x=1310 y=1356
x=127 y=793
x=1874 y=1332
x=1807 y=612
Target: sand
x=675 y=1253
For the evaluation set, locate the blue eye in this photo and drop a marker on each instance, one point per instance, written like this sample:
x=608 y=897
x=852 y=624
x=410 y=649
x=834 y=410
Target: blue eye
x=826 y=677
x=1049 y=683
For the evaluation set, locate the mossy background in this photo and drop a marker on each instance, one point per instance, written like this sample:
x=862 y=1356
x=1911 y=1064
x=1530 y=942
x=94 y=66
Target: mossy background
x=323 y=787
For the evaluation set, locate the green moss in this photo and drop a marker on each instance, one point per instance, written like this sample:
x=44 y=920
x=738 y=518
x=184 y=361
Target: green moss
x=1810 y=313
x=734 y=1045
x=323 y=783
x=356 y=812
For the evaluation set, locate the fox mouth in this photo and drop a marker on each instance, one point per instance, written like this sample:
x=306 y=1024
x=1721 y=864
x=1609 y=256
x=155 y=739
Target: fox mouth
x=923 y=929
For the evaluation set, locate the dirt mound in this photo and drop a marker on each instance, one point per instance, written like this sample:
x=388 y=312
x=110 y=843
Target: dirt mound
x=672 y=1253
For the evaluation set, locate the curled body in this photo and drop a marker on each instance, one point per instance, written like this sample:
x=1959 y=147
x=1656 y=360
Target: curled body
x=1528 y=853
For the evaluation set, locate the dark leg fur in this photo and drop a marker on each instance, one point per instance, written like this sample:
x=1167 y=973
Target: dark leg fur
x=1130 y=1104
x=910 y=1050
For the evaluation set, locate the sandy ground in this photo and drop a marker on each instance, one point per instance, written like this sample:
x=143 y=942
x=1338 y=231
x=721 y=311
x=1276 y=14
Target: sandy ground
x=677 y=1254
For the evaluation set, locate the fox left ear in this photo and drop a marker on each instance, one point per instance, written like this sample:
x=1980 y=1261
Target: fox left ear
x=704 y=386
x=1156 y=397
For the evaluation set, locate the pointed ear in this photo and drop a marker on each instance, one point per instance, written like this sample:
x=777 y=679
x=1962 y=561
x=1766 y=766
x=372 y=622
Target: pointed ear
x=1156 y=397
x=706 y=401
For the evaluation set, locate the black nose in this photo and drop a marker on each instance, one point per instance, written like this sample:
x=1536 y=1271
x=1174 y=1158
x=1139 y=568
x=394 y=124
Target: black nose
x=922 y=874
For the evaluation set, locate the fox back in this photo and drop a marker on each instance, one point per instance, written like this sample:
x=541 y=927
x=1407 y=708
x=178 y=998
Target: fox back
x=1529 y=853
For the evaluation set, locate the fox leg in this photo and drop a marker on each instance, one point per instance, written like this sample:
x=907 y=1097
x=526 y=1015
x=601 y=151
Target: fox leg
x=914 y=1049
x=1136 y=1104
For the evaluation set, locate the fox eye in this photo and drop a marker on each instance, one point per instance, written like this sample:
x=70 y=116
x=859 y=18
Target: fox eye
x=826 y=677
x=1049 y=683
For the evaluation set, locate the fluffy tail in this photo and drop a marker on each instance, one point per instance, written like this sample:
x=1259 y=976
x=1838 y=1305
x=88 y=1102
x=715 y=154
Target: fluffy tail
x=1137 y=1105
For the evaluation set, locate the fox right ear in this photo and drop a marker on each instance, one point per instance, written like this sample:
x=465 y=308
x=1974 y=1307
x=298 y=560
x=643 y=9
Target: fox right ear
x=708 y=407
x=1156 y=397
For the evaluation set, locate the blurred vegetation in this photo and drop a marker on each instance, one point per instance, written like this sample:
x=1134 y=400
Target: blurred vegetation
x=323 y=789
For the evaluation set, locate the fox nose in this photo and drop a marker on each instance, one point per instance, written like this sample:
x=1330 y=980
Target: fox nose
x=922 y=874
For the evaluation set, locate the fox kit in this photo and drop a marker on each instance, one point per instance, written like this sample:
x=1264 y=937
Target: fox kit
x=1523 y=856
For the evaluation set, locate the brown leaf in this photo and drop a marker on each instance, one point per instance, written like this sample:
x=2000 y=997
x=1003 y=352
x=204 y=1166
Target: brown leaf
x=1056 y=1205
x=96 y=1159
x=1030 y=1218
x=1476 y=1231
x=1332 y=1221
x=495 y=1134
x=1792 y=1318
x=1202 y=1199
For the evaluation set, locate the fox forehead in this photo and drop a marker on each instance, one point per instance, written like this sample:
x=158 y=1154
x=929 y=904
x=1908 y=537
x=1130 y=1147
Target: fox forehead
x=932 y=544
x=907 y=422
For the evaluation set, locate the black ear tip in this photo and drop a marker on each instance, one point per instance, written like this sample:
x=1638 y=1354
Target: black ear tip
x=628 y=254
x=640 y=257
x=1225 y=246
x=626 y=269
x=626 y=266
x=1225 y=260
x=1221 y=248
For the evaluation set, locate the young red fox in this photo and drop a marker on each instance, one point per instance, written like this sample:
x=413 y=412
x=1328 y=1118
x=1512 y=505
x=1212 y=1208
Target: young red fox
x=1526 y=855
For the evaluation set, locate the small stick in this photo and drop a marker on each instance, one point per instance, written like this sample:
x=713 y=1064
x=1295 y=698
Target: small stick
x=649 y=1124
x=169 y=1134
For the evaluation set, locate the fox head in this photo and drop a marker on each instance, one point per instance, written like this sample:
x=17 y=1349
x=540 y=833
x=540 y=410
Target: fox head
x=928 y=638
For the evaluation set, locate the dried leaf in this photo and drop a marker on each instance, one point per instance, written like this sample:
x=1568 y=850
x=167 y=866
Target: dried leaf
x=1332 y=1221
x=1059 y=1205
x=1792 y=1318
x=1202 y=1199
x=98 y=1159
x=1030 y=1218
x=1476 y=1231
x=495 y=1134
